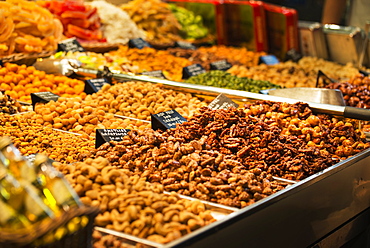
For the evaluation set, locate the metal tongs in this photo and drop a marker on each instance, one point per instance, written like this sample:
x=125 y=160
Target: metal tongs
x=68 y=67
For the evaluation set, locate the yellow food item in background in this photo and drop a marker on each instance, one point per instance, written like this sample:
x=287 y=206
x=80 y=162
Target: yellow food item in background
x=155 y=18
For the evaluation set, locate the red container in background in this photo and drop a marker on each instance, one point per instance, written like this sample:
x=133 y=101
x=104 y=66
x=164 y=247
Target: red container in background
x=282 y=29
x=210 y=11
x=244 y=24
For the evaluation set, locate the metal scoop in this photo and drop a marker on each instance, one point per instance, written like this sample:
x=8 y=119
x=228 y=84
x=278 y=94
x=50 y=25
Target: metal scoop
x=68 y=67
x=318 y=95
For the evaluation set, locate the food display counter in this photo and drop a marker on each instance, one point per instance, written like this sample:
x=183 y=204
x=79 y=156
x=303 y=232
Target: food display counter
x=272 y=172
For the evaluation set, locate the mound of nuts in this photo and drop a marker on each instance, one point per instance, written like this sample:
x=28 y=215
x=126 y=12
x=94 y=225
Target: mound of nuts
x=78 y=116
x=132 y=205
x=189 y=168
x=140 y=100
x=135 y=100
x=287 y=74
x=30 y=138
x=290 y=74
x=356 y=91
x=230 y=156
x=19 y=81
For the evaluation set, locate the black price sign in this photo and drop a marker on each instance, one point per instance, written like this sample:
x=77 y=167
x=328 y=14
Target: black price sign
x=94 y=85
x=166 y=120
x=156 y=74
x=221 y=65
x=192 y=70
x=269 y=60
x=185 y=45
x=43 y=97
x=107 y=135
x=70 y=45
x=138 y=43
x=222 y=102
x=1 y=63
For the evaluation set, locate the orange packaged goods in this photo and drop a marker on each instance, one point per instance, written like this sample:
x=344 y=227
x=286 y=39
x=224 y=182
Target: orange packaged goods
x=282 y=29
x=79 y=20
x=25 y=27
x=246 y=26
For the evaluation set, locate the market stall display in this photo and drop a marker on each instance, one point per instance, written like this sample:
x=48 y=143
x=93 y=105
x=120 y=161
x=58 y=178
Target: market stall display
x=166 y=188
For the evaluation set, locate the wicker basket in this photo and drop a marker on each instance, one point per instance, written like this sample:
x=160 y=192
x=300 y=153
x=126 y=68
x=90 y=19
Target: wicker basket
x=81 y=238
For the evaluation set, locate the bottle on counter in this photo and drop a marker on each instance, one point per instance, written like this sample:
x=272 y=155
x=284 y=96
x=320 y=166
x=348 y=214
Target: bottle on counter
x=23 y=170
x=55 y=182
x=23 y=199
x=14 y=162
x=10 y=219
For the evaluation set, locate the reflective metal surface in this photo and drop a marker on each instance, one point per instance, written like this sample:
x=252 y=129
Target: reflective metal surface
x=317 y=95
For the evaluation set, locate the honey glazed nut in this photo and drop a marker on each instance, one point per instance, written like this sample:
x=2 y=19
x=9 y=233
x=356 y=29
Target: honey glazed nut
x=230 y=156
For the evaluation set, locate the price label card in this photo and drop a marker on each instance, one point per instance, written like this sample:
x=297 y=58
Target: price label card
x=70 y=45
x=1 y=63
x=94 y=85
x=185 y=45
x=156 y=74
x=192 y=70
x=222 y=102
x=269 y=60
x=166 y=120
x=138 y=43
x=43 y=97
x=107 y=135
x=221 y=65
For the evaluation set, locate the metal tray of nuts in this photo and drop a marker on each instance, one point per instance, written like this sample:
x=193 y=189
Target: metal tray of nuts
x=327 y=207
x=218 y=211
